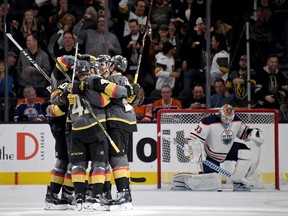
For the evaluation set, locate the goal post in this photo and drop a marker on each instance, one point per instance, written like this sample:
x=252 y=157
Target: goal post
x=175 y=125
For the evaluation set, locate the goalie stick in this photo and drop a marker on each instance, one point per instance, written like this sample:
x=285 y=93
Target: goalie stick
x=206 y=162
x=28 y=57
x=143 y=43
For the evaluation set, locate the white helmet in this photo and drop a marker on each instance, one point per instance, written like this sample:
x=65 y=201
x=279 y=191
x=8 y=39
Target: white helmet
x=226 y=113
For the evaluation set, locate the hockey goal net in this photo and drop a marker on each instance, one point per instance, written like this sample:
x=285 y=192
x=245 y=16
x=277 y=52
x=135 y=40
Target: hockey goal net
x=177 y=124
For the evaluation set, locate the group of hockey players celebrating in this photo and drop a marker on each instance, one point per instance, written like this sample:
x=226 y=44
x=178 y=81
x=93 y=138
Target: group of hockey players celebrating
x=91 y=119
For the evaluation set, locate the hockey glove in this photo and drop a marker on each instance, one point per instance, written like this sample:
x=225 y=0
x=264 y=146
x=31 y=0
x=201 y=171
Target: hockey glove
x=132 y=89
x=86 y=57
x=65 y=63
x=72 y=98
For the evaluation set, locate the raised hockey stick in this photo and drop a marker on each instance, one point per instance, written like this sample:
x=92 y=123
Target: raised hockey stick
x=54 y=38
x=143 y=42
x=28 y=57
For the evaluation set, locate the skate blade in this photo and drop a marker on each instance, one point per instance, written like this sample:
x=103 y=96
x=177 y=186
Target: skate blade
x=122 y=207
x=50 y=206
x=99 y=207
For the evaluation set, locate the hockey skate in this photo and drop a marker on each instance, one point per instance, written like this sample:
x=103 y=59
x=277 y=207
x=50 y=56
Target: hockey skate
x=79 y=200
x=122 y=202
x=53 y=202
x=67 y=200
x=242 y=187
x=100 y=203
x=88 y=200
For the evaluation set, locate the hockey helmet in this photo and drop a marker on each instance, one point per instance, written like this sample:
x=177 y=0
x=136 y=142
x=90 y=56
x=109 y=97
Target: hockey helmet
x=103 y=58
x=226 y=113
x=104 y=61
x=120 y=62
x=82 y=67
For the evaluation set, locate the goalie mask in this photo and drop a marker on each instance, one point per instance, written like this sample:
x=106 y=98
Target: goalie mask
x=227 y=114
x=120 y=63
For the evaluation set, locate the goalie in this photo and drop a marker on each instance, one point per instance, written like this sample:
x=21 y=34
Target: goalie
x=224 y=137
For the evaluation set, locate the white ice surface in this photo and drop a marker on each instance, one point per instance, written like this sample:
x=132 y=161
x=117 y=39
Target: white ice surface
x=147 y=200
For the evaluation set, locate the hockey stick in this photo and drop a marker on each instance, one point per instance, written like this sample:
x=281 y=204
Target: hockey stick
x=87 y=105
x=138 y=180
x=28 y=57
x=54 y=38
x=143 y=43
x=207 y=163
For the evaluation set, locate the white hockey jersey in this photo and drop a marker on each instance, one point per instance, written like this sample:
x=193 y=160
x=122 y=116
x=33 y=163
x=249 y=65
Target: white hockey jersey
x=164 y=67
x=217 y=139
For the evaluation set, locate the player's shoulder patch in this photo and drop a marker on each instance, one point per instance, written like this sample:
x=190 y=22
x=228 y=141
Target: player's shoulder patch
x=211 y=119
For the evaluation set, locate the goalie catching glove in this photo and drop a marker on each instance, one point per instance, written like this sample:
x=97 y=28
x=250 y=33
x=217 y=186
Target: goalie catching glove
x=197 y=152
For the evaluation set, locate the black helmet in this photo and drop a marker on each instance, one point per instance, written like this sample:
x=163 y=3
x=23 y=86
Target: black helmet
x=120 y=62
x=82 y=67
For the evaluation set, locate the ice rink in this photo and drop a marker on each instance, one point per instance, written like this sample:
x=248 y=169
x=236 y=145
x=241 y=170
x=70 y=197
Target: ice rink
x=147 y=200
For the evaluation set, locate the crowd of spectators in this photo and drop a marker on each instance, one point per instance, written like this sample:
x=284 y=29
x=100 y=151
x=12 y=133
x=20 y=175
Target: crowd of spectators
x=174 y=54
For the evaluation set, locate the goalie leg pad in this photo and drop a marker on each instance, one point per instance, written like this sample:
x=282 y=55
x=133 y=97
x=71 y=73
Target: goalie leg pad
x=201 y=182
x=247 y=163
x=255 y=157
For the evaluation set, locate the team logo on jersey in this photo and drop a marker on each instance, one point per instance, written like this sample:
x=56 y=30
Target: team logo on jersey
x=227 y=137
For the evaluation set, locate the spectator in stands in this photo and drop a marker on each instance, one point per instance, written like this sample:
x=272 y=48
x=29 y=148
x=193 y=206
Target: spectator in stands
x=198 y=99
x=28 y=109
x=11 y=61
x=174 y=38
x=221 y=59
x=94 y=39
x=27 y=74
x=191 y=49
x=166 y=101
x=157 y=43
x=280 y=28
x=66 y=24
x=143 y=110
x=271 y=87
x=165 y=65
x=131 y=49
x=262 y=29
x=138 y=14
x=225 y=30
x=222 y=96
x=30 y=26
x=68 y=45
x=161 y=14
x=2 y=82
x=237 y=84
x=63 y=7
x=191 y=11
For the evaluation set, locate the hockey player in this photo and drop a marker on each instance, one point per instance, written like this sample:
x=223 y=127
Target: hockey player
x=60 y=175
x=121 y=123
x=224 y=137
